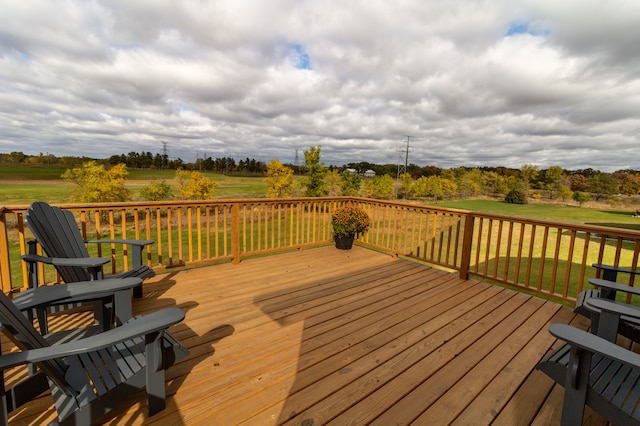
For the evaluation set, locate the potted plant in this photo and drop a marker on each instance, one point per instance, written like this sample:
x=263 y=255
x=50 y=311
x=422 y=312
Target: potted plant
x=348 y=222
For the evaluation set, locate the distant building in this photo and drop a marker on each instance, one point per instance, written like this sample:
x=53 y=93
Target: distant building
x=369 y=174
x=352 y=171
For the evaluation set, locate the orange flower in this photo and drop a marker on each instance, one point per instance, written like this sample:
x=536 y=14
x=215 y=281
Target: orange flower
x=350 y=220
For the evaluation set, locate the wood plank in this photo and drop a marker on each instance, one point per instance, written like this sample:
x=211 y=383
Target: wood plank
x=342 y=337
x=467 y=349
x=407 y=365
x=489 y=403
x=503 y=357
x=341 y=367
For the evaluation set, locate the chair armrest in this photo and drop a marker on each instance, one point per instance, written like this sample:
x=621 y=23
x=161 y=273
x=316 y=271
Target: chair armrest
x=83 y=262
x=586 y=341
x=616 y=268
x=76 y=292
x=140 y=243
x=611 y=285
x=609 y=315
x=621 y=309
x=136 y=248
x=610 y=272
x=136 y=327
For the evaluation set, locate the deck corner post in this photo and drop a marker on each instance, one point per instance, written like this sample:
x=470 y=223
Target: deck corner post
x=467 y=241
x=235 y=234
x=5 y=269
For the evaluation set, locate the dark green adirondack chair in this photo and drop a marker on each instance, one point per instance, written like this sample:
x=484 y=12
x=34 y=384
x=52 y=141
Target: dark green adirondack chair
x=607 y=288
x=89 y=376
x=57 y=232
x=594 y=370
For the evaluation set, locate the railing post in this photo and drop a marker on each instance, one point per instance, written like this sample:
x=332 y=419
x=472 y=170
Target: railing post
x=5 y=268
x=235 y=233
x=467 y=242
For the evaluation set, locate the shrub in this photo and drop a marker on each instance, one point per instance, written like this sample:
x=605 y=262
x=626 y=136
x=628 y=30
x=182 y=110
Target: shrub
x=93 y=183
x=194 y=185
x=580 y=197
x=157 y=191
x=516 y=196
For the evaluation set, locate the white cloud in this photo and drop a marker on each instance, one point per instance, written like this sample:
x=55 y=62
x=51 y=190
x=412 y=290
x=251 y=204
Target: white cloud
x=475 y=83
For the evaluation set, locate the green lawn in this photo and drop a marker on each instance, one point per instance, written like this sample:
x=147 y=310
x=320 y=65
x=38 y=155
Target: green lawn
x=572 y=214
x=22 y=184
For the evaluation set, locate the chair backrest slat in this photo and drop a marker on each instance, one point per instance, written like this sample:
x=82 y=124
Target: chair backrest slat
x=25 y=336
x=57 y=232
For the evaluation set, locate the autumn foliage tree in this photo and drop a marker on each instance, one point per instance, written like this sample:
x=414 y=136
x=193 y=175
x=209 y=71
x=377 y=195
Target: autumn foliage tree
x=316 y=172
x=93 y=183
x=157 y=191
x=279 y=180
x=194 y=185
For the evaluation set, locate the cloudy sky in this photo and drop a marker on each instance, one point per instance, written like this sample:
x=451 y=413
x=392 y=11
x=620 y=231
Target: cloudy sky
x=473 y=83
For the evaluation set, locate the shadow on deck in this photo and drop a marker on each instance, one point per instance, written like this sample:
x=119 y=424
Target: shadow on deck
x=326 y=336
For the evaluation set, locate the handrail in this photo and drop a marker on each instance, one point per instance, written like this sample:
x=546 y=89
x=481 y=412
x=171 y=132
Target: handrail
x=544 y=257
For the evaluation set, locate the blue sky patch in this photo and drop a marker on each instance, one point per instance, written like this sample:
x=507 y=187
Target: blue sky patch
x=300 y=57
x=526 y=28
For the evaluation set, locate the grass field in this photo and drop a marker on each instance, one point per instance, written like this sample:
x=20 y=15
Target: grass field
x=622 y=218
x=22 y=184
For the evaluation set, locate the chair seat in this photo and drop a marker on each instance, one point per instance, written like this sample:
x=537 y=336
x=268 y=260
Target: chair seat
x=614 y=387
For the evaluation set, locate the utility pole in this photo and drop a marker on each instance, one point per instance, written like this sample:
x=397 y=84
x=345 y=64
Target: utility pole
x=165 y=154
x=402 y=170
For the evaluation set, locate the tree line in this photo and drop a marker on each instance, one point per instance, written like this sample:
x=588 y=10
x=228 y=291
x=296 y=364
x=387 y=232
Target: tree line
x=418 y=182
x=515 y=185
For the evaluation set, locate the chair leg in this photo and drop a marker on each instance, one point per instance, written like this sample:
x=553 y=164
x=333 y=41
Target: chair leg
x=156 y=392
x=41 y=314
x=137 y=292
x=575 y=387
x=123 y=308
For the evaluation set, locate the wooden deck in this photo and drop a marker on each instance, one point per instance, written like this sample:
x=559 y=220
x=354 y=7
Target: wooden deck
x=325 y=336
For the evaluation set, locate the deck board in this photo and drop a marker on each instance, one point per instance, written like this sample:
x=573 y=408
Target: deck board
x=325 y=336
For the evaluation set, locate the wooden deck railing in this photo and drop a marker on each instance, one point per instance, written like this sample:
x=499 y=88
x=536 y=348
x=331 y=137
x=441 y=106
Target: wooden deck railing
x=547 y=258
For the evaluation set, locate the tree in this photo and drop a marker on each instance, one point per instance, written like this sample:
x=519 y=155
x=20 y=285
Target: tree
x=432 y=186
x=279 y=180
x=194 y=185
x=579 y=183
x=516 y=196
x=351 y=183
x=629 y=183
x=564 y=192
x=469 y=182
x=553 y=180
x=419 y=187
x=93 y=183
x=334 y=183
x=581 y=197
x=603 y=184
x=157 y=191
x=381 y=187
x=17 y=157
x=316 y=171
x=406 y=183
x=528 y=174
